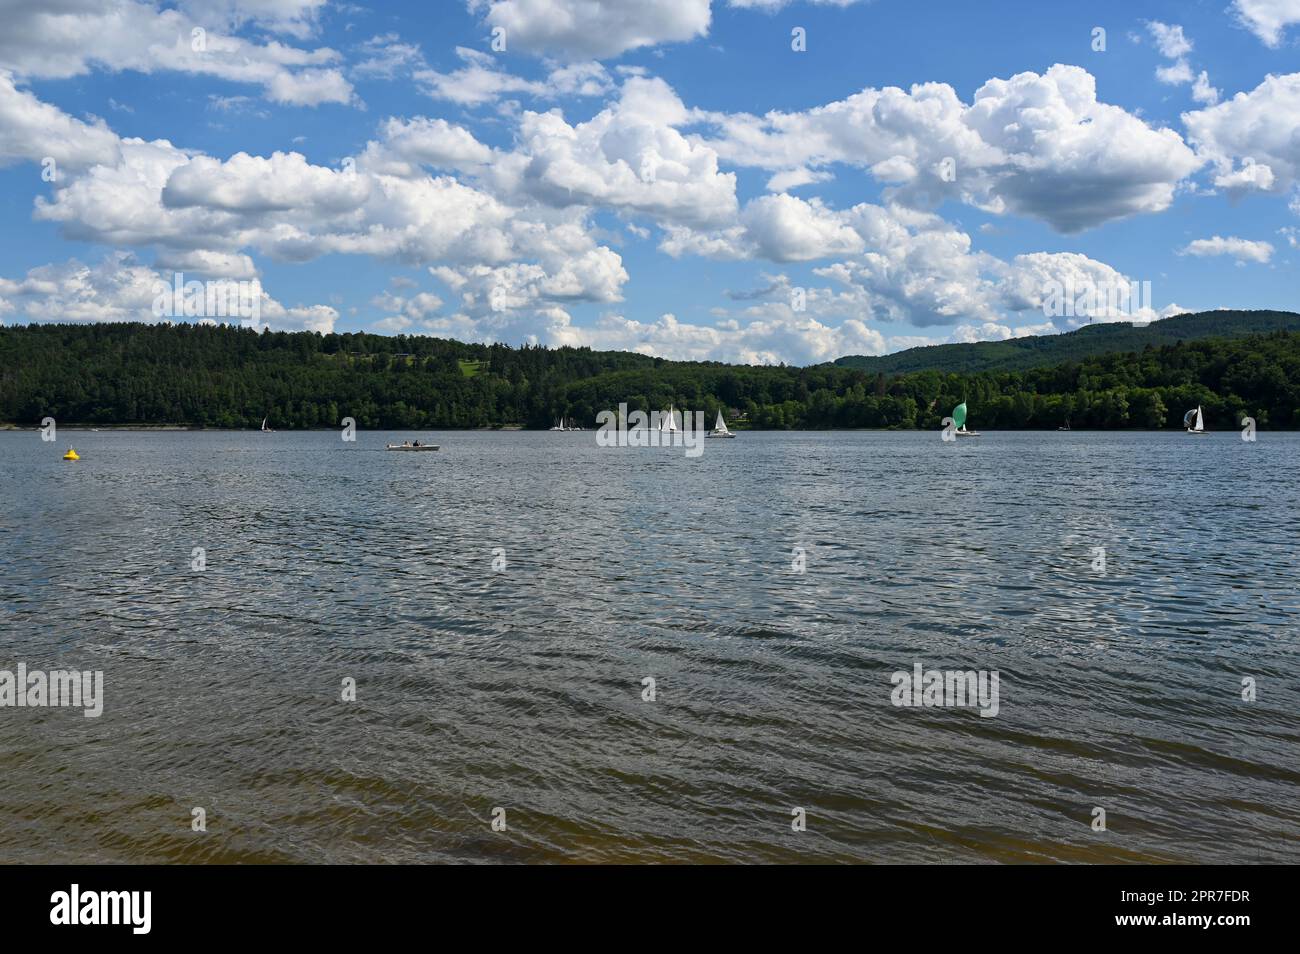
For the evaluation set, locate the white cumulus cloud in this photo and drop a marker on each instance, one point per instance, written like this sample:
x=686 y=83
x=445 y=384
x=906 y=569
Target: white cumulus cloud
x=1260 y=128
x=41 y=40
x=1267 y=19
x=584 y=29
x=31 y=130
x=1243 y=250
x=120 y=289
x=1038 y=145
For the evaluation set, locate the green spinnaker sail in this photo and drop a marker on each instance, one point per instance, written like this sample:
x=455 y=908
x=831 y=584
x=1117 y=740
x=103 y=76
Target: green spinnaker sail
x=959 y=414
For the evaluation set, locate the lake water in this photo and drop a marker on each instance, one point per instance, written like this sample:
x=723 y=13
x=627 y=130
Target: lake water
x=521 y=688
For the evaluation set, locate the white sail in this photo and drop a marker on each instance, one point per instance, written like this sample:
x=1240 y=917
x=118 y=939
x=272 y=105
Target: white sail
x=1200 y=424
x=721 y=425
x=263 y=423
x=669 y=423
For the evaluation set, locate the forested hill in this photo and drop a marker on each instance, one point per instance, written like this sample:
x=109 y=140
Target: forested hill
x=1036 y=351
x=220 y=376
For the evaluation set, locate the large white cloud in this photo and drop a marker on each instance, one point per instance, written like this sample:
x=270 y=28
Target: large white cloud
x=596 y=274
x=918 y=269
x=1071 y=160
x=899 y=264
x=912 y=129
x=761 y=339
x=46 y=40
x=1253 y=139
x=207 y=264
x=1267 y=19
x=121 y=204
x=408 y=145
x=120 y=289
x=786 y=229
x=1038 y=145
x=33 y=131
x=252 y=184
x=583 y=29
x=629 y=157
x=293 y=210
x=1097 y=291
x=293 y=17
x=204 y=214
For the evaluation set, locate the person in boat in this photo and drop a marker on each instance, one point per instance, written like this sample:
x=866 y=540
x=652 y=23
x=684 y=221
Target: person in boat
x=406 y=443
x=416 y=444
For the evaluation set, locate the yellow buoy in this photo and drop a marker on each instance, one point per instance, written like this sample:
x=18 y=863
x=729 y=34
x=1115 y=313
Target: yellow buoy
x=71 y=455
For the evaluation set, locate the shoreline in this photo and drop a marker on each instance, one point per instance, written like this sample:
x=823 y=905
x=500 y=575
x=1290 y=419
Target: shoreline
x=519 y=428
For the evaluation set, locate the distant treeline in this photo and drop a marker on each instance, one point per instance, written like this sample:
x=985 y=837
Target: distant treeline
x=220 y=376
x=1090 y=341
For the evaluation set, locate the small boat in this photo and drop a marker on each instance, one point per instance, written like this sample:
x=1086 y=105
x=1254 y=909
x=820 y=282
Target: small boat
x=1066 y=427
x=959 y=418
x=71 y=455
x=265 y=429
x=668 y=422
x=720 y=428
x=559 y=425
x=411 y=446
x=1194 y=422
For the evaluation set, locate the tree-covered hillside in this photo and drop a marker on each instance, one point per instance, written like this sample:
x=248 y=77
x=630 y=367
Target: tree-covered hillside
x=219 y=376
x=1036 y=351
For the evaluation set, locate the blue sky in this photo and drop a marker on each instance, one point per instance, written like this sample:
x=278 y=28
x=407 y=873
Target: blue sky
x=667 y=176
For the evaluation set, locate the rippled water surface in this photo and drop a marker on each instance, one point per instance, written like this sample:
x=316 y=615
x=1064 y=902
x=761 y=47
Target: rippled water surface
x=522 y=689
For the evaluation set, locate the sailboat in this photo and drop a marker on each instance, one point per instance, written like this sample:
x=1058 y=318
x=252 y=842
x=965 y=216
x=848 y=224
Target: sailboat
x=720 y=428
x=559 y=425
x=1194 y=422
x=959 y=418
x=668 y=422
x=265 y=429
